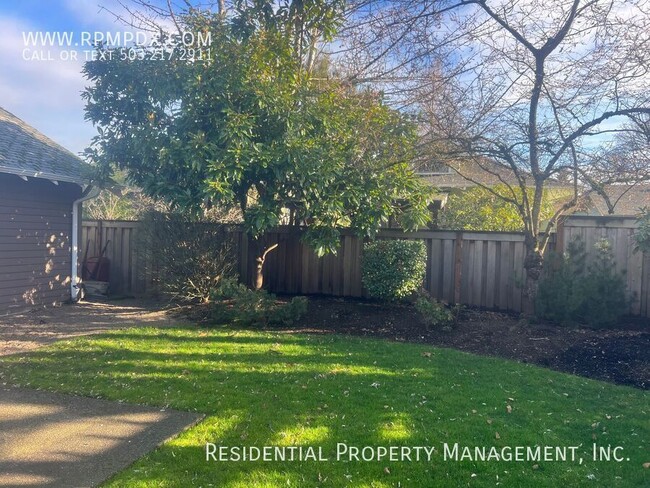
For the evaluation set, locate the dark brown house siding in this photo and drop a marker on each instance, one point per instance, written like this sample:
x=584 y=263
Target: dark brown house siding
x=35 y=231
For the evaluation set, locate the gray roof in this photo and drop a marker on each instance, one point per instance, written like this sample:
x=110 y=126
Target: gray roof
x=468 y=174
x=626 y=199
x=26 y=152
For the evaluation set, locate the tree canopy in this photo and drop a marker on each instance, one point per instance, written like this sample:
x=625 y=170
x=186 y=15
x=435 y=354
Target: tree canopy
x=249 y=124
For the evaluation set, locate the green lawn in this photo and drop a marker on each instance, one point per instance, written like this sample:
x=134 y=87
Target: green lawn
x=274 y=389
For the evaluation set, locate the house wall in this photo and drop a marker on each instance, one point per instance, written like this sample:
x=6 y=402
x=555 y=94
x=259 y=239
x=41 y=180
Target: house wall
x=35 y=241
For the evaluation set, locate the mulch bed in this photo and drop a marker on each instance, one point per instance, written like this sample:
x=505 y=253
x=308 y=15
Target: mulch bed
x=620 y=355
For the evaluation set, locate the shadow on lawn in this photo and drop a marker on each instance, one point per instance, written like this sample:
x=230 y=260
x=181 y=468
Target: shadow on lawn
x=271 y=390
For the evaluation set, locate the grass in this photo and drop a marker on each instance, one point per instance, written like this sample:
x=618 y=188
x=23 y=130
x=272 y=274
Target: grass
x=266 y=388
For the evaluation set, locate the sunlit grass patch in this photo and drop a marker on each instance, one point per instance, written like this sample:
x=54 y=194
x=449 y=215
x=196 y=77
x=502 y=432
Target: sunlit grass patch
x=277 y=389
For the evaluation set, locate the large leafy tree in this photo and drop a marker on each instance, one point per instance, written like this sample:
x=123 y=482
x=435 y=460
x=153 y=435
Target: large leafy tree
x=250 y=125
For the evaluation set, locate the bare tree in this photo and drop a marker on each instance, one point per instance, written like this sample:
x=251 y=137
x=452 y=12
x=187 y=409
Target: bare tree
x=620 y=165
x=529 y=88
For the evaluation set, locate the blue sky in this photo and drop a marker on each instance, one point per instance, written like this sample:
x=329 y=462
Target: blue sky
x=47 y=93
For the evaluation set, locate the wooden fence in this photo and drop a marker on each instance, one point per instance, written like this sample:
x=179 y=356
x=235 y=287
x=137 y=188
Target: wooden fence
x=128 y=271
x=619 y=231
x=482 y=269
x=476 y=268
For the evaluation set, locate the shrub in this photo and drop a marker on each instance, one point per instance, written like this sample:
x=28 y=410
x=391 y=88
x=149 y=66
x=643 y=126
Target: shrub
x=392 y=270
x=594 y=294
x=642 y=234
x=190 y=257
x=233 y=302
x=434 y=313
x=557 y=295
x=290 y=312
x=603 y=290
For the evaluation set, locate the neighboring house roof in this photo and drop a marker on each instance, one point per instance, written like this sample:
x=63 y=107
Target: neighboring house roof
x=26 y=152
x=626 y=200
x=469 y=174
x=453 y=179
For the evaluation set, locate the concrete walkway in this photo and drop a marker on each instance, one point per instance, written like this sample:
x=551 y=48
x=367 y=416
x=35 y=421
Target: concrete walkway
x=53 y=440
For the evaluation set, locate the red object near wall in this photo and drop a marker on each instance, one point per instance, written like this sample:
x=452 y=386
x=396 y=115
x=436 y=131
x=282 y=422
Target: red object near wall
x=97 y=269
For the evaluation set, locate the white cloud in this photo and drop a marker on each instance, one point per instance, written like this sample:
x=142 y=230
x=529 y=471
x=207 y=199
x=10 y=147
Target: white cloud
x=46 y=94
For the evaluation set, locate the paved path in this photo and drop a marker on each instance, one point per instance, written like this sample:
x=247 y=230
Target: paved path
x=53 y=440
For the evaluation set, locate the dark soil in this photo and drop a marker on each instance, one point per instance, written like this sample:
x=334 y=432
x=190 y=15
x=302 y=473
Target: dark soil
x=620 y=355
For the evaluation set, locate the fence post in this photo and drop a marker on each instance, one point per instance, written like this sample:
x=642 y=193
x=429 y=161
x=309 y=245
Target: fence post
x=559 y=237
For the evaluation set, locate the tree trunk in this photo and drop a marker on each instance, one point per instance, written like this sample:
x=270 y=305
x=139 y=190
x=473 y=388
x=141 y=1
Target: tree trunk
x=258 y=282
x=533 y=263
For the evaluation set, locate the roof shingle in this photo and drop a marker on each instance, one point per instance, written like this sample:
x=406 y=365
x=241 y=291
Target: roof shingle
x=26 y=152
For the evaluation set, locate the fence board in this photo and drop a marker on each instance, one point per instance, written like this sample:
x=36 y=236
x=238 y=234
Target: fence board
x=476 y=273
x=644 y=299
x=435 y=267
x=448 y=270
x=357 y=288
x=491 y=277
x=467 y=260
